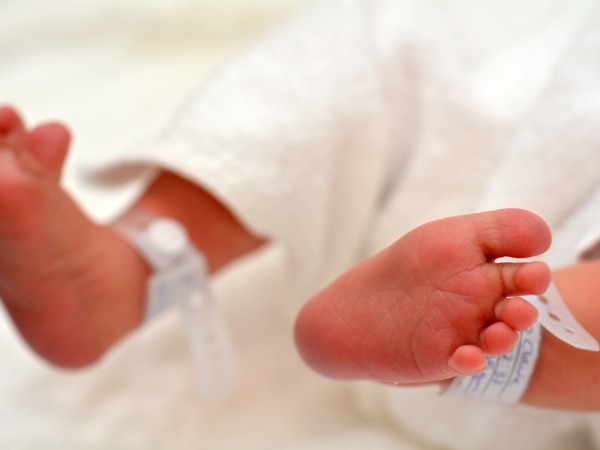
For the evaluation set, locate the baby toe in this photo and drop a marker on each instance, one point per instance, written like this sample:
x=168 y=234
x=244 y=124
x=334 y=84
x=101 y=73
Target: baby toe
x=529 y=278
x=47 y=146
x=467 y=360
x=498 y=339
x=11 y=125
x=517 y=313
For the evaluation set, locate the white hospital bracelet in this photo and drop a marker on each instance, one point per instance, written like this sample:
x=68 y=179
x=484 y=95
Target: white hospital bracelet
x=556 y=317
x=505 y=378
x=180 y=280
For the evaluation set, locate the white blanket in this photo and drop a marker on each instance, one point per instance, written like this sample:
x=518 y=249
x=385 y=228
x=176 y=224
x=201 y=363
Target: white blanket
x=346 y=128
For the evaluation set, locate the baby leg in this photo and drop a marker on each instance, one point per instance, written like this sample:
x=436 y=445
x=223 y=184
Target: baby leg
x=432 y=305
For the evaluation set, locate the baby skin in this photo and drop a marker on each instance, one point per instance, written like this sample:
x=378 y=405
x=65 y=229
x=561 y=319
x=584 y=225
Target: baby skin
x=60 y=277
x=428 y=308
x=432 y=305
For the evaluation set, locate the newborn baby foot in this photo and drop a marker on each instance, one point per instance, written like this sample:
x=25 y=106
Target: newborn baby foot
x=432 y=305
x=54 y=262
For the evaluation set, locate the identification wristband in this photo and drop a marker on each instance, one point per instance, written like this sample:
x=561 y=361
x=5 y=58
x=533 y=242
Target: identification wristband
x=179 y=280
x=506 y=378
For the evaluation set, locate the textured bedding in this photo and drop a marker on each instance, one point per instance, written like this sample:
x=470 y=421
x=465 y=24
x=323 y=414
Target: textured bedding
x=117 y=73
